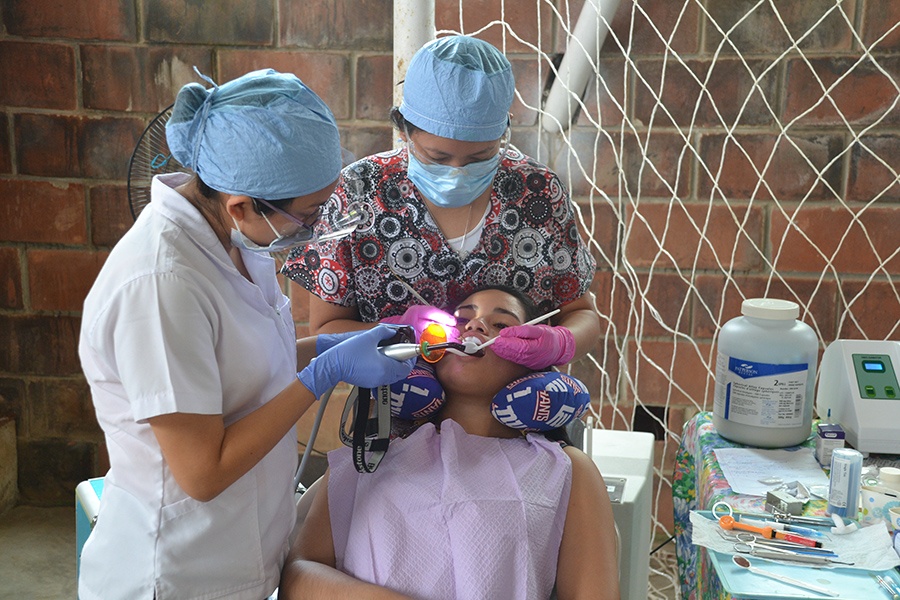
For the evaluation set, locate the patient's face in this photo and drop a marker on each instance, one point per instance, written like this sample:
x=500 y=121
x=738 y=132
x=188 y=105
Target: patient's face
x=482 y=316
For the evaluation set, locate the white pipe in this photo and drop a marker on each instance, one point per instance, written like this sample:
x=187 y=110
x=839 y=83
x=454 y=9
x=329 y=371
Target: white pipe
x=413 y=27
x=576 y=67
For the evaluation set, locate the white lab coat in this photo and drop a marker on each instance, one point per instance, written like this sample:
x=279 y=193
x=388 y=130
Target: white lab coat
x=170 y=325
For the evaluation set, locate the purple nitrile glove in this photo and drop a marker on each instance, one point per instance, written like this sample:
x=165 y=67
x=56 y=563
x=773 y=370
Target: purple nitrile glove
x=535 y=346
x=419 y=317
x=357 y=361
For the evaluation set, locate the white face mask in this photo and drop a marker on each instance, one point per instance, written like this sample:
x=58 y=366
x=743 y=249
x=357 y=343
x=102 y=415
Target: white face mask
x=281 y=242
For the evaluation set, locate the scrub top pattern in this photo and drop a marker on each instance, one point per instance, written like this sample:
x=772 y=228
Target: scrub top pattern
x=530 y=241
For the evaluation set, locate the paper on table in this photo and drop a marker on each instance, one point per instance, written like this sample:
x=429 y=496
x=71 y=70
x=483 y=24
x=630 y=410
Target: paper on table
x=868 y=548
x=744 y=467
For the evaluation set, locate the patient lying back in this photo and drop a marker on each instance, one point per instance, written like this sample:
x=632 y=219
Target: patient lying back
x=464 y=506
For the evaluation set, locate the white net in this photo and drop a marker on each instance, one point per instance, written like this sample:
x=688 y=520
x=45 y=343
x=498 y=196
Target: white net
x=720 y=151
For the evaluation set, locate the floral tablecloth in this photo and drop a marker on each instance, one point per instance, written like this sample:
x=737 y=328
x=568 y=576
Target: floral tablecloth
x=698 y=484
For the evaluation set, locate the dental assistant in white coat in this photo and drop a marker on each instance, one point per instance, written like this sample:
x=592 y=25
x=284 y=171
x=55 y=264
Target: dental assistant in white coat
x=190 y=351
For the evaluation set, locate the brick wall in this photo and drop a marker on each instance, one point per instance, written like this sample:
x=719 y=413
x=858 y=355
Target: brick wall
x=81 y=79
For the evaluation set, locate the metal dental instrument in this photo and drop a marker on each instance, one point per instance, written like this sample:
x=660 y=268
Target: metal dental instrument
x=406 y=350
x=531 y=322
x=742 y=562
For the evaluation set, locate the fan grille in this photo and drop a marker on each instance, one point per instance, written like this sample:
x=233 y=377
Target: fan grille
x=151 y=157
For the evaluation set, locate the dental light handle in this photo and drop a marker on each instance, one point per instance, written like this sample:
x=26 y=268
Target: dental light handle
x=402 y=351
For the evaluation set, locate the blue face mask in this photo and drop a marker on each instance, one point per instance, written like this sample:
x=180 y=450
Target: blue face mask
x=452 y=187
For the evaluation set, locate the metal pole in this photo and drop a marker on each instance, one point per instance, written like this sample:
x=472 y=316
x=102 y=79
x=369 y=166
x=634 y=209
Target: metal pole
x=576 y=67
x=413 y=27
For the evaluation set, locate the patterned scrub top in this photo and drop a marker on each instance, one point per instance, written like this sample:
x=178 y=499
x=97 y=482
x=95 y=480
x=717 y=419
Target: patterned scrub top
x=530 y=241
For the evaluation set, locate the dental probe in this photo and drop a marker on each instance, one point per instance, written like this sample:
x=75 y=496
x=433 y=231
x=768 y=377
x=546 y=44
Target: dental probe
x=531 y=322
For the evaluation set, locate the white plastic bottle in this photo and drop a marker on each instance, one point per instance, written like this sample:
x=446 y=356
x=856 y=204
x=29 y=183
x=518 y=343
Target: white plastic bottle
x=765 y=375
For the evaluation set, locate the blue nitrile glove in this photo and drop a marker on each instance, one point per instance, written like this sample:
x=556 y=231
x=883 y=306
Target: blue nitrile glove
x=326 y=341
x=357 y=361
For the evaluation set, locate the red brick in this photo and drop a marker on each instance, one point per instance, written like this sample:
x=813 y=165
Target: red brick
x=866 y=92
x=110 y=214
x=675 y=373
x=657 y=26
x=875 y=310
x=348 y=24
x=827 y=238
x=569 y=13
x=13 y=401
x=763 y=166
x=11 y=293
x=78 y=19
x=40 y=345
x=659 y=303
x=873 y=169
x=719 y=301
x=596 y=167
x=226 y=23
x=604 y=97
x=138 y=79
x=5 y=151
x=618 y=416
x=58 y=146
x=599 y=229
x=61 y=279
x=725 y=93
x=33 y=211
x=880 y=25
x=659 y=165
x=37 y=75
x=61 y=408
x=328 y=75
x=663 y=505
x=374 y=86
x=477 y=14
x=363 y=141
x=49 y=469
x=670 y=235
x=753 y=28
x=529 y=86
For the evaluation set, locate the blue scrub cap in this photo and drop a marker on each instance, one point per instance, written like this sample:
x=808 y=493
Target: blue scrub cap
x=459 y=87
x=264 y=135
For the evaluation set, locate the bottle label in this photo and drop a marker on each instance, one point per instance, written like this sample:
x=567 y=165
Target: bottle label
x=760 y=394
x=839 y=488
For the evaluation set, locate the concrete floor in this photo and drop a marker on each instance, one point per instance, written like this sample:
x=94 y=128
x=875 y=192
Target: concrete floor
x=37 y=546
x=37 y=557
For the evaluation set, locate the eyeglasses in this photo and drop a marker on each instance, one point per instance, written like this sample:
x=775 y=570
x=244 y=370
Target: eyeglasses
x=304 y=224
x=343 y=224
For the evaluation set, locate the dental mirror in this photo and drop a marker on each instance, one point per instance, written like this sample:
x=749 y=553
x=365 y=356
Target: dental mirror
x=744 y=563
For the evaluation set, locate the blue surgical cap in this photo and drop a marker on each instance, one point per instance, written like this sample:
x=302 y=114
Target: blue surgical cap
x=264 y=135
x=459 y=87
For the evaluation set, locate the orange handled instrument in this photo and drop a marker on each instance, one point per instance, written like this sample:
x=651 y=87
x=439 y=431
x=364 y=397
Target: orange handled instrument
x=728 y=522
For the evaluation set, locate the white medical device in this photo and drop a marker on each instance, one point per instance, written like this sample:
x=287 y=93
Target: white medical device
x=625 y=459
x=858 y=387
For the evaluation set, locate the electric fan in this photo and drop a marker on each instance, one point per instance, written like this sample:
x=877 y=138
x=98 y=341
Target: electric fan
x=151 y=157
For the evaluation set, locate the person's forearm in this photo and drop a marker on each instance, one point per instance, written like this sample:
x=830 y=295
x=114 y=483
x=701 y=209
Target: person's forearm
x=343 y=326
x=585 y=327
x=308 y=579
x=206 y=457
